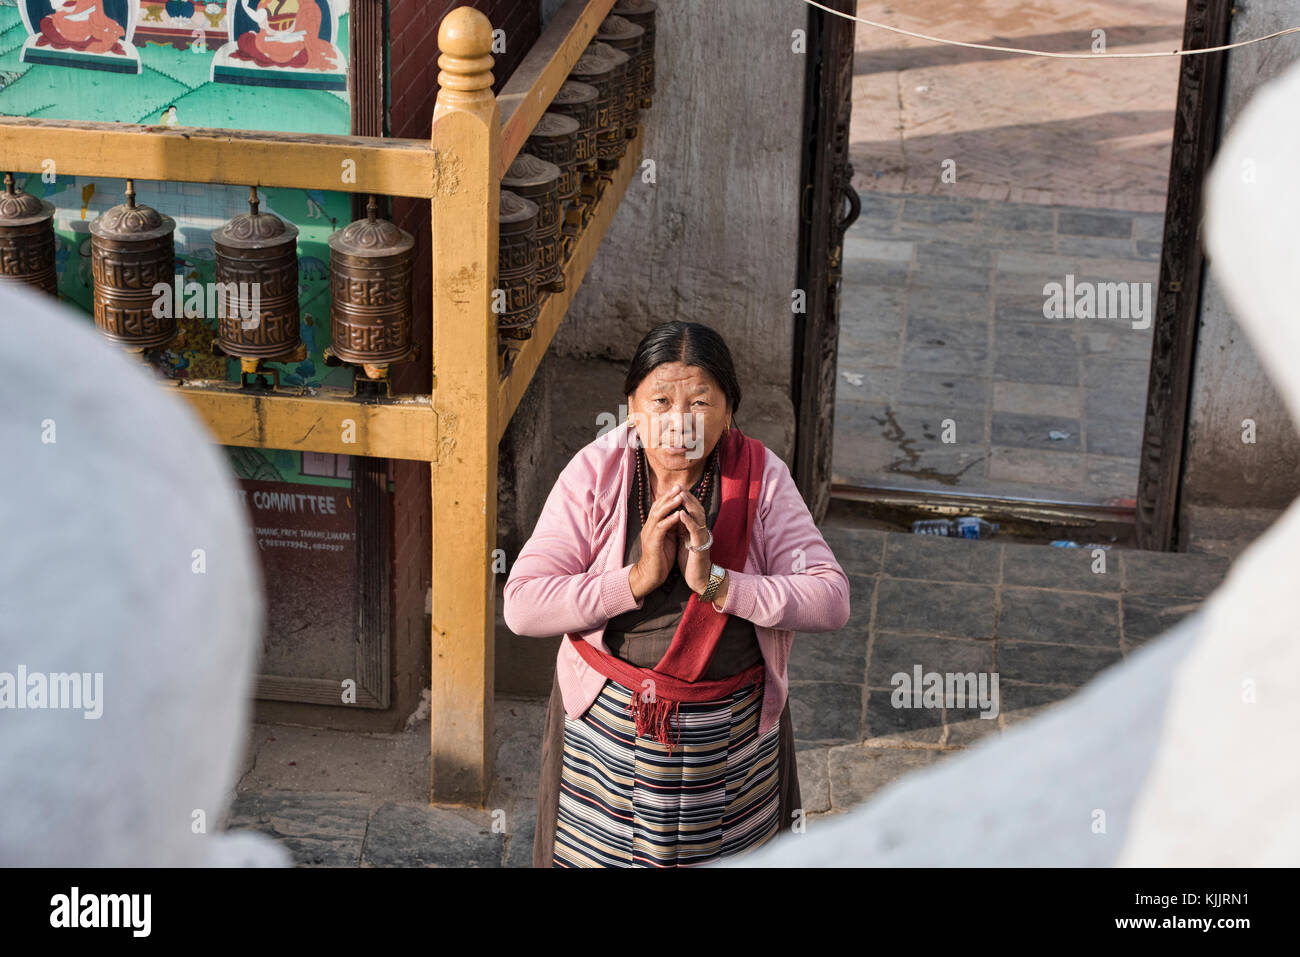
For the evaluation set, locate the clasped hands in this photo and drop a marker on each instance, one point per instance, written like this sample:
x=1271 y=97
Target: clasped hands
x=676 y=519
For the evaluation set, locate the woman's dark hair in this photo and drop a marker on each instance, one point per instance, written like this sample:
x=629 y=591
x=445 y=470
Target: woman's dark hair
x=689 y=343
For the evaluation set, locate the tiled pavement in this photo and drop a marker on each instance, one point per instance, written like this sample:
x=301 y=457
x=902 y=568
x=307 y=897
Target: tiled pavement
x=1047 y=620
x=1041 y=618
x=951 y=378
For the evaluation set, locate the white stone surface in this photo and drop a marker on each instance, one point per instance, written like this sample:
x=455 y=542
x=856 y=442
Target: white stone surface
x=1223 y=789
x=98 y=575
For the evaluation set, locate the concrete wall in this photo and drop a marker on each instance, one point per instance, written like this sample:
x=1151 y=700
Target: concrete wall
x=714 y=238
x=1229 y=384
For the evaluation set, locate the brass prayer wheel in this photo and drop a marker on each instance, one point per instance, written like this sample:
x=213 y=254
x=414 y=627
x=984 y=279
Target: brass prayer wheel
x=642 y=13
x=538 y=182
x=517 y=266
x=258 y=252
x=626 y=37
x=555 y=139
x=599 y=67
x=370 y=291
x=132 y=250
x=613 y=146
x=27 y=239
x=578 y=100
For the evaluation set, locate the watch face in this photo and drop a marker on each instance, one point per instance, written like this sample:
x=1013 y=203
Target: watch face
x=716 y=574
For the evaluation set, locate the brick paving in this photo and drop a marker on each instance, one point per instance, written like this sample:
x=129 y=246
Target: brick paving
x=941 y=320
x=1020 y=129
x=1040 y=617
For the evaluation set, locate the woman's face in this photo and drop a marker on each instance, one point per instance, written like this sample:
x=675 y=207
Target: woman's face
x=679 y=412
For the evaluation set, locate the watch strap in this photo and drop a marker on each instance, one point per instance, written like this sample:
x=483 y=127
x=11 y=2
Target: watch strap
x=716 y=576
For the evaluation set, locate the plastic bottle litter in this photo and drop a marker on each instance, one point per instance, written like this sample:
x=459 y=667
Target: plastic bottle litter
x=1066 y=543
x=968 y=526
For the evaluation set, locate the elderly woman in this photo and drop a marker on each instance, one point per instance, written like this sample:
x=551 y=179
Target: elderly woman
x=678 y=558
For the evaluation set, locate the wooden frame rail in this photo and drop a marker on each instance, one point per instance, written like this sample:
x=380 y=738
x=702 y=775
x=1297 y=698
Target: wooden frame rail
x=543 y=70
x=474 y=138
x=191 y=154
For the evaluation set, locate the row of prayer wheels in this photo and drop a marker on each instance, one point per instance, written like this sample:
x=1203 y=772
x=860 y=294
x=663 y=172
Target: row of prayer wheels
x=546 y=198
x=133 y=254
x=550 y=190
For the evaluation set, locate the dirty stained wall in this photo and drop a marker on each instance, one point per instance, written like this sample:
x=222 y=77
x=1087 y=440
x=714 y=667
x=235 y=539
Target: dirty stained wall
x=1229 y=385
x=713 y=237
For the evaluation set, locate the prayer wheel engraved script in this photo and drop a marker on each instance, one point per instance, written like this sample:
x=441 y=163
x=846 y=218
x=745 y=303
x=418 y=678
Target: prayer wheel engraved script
x=370 y=286
x=605 y=68
x=579 y=100
x=538 y=182
x=517 y=266
x=258 y=253
x=555 y=140
x=27 y=249
x=626 y=37
x=132 y=250
x=642 y=13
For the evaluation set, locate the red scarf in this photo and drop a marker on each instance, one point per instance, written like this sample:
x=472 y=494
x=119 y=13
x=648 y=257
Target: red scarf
x=676 y=678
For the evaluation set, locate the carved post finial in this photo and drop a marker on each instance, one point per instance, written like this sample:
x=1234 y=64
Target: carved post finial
x=465 y=41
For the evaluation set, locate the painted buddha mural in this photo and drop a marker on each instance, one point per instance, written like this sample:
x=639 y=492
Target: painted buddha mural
x=288 y=33
x=86 y=33
x=283 y=43
x=81 y=25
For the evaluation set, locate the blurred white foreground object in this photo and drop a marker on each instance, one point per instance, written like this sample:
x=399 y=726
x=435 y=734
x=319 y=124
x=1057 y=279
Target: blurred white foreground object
x=127 y=563
x=1188 y=747
x=1225 y=786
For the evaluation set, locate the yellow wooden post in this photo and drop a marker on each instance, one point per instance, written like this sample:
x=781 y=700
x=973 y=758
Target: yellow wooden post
x=466 y=138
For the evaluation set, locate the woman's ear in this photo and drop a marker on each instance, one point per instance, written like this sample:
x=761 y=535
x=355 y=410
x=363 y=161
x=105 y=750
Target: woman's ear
x=630 y=424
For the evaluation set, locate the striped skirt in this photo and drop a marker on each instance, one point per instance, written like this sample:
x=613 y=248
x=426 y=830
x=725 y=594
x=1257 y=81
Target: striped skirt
x=625 y=802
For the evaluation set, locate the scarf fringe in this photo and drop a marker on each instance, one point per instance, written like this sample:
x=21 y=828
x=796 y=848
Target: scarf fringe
x=654 y=719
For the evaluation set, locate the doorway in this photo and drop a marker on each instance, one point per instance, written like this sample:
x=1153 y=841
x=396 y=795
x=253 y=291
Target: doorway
x=953 y=380
x=997 y=308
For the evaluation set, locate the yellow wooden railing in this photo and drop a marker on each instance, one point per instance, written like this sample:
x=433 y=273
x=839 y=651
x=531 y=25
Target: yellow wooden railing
x=456 y=428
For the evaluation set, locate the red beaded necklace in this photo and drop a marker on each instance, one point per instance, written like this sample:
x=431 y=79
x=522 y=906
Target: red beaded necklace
x=700 y=491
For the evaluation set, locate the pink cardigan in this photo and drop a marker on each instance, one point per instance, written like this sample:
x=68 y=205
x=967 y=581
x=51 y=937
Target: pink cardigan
x=570 y=576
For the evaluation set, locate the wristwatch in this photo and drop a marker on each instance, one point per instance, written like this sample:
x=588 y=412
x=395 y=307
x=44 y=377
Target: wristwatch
x=717 y=575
